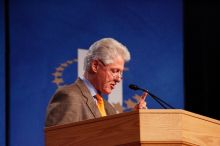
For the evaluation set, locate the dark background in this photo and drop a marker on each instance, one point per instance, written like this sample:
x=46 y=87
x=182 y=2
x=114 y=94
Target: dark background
x=201 y=57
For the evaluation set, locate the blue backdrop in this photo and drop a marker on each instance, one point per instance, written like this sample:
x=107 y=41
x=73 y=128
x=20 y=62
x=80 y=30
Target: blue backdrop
x=44 y=34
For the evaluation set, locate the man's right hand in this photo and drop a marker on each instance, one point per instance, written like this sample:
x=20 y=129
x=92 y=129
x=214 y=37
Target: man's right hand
x=142 y=103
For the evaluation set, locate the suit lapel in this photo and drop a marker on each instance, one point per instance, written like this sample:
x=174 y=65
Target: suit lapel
x=88 y=97
x=109 y=108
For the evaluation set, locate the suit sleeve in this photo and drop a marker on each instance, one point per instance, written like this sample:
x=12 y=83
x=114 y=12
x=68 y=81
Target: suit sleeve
x=58 y=110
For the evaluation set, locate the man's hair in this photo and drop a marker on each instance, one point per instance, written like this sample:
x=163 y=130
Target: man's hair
x=106 y=50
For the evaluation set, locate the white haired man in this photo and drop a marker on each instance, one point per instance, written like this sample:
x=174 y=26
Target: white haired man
x=82 y=100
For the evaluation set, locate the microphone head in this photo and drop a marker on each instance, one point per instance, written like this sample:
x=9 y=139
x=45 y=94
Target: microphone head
x=134 y=87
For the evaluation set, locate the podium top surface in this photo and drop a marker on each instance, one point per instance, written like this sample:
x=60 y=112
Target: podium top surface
x=166 y=126
x=140 y=112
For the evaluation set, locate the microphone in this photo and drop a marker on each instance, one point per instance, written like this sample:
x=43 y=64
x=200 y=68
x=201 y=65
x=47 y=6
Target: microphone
x=160 y=101
x=135 y=87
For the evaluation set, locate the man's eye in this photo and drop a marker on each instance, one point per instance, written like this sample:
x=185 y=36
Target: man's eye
x=115 y=70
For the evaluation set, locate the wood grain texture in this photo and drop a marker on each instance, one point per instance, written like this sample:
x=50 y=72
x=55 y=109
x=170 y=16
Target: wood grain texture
x=179 y=126
x=111 y=130
x=139 y=128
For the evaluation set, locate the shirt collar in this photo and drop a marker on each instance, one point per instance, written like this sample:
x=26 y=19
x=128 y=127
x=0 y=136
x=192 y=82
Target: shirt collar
x=91 y=88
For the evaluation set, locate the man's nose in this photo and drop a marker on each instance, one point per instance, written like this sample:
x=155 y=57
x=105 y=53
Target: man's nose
x=117 y=79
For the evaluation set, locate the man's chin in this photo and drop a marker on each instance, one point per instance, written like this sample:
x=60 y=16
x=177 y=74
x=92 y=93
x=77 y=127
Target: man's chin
x=107 y=91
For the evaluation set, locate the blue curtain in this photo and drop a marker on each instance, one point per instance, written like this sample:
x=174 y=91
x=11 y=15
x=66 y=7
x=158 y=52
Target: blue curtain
x=45 y=36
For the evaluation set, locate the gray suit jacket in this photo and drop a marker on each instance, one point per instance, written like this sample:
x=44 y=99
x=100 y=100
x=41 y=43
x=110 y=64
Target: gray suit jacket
x=73 y=103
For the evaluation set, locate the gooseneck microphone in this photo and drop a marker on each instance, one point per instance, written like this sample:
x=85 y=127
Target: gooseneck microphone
x=160 y=101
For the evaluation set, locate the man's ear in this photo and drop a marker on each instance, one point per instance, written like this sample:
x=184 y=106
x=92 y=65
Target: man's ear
x=94 y=65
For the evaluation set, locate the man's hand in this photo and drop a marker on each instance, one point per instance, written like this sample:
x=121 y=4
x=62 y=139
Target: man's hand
x=142 y=103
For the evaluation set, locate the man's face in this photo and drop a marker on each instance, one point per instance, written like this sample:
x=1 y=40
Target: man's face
x=107 y=76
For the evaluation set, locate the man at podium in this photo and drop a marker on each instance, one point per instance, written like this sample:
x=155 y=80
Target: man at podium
x=82 y=100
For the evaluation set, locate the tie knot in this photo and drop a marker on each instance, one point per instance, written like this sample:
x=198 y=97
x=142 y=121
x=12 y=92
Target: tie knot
x=99 y=98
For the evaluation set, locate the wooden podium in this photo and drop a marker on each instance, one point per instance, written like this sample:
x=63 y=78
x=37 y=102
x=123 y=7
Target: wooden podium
x=139 y=128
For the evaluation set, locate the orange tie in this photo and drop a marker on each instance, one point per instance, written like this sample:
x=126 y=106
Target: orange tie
x=100 y=104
